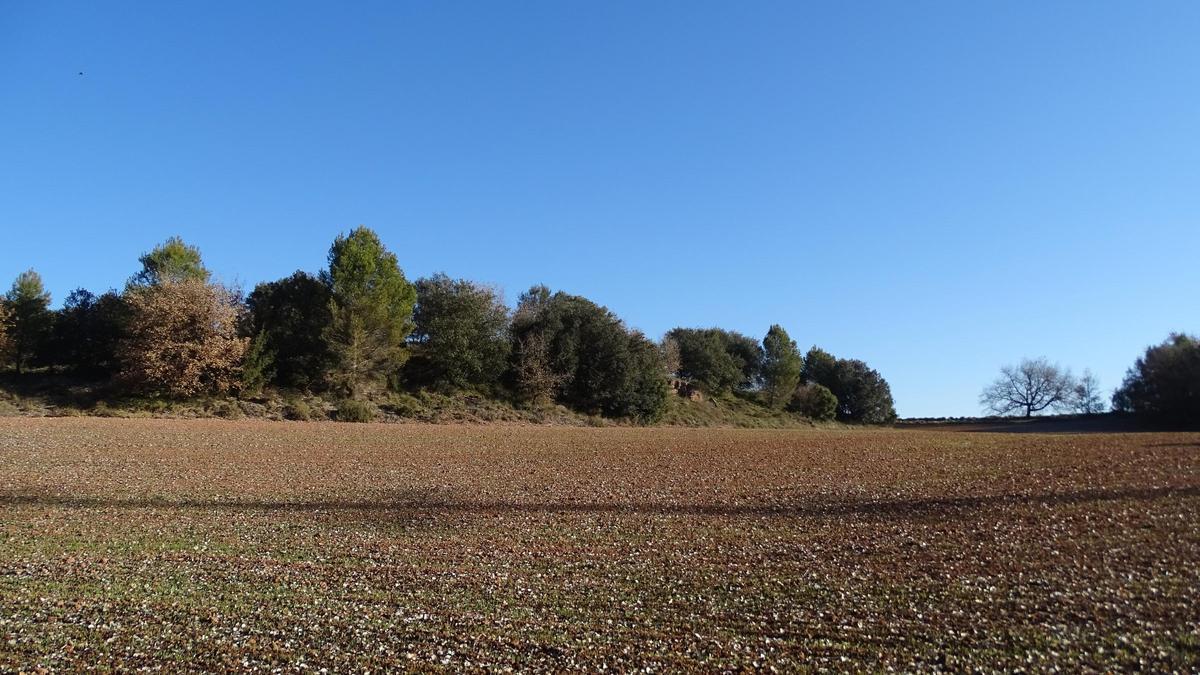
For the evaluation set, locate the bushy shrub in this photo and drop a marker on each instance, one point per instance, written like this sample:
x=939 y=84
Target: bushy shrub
x=354 y=410
x=814 y=401
x=225 y=409
x=258 y=366
x=299 y=410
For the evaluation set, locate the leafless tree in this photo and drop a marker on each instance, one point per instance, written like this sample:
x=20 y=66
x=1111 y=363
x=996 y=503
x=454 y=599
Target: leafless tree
x=1086 y=397
x=537 y=381
x=669 y=350
x=1030 y=387
x=5 y=343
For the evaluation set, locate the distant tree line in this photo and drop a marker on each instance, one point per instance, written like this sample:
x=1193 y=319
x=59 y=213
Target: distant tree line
x=1162 y=386
x=360 y=327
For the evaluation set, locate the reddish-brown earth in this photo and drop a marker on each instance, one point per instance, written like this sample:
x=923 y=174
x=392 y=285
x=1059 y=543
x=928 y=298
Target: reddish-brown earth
x=211 y=545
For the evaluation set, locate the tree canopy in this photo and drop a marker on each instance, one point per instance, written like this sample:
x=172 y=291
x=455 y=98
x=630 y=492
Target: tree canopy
x=781 y=367
x=292 y=315
x=358 y=332
x=171 y=261
x=461 y=334
x=371 y=309
x=589 y=359
x=87 y=331
x=1164 y=383
x=717 y=360
x=29 y=320
x=863 y=396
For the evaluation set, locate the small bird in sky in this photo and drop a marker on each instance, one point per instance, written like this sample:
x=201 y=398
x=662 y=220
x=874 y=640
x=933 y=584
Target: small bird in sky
x=81 y=72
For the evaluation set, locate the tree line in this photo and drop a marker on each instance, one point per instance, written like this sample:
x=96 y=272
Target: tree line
x=359 y=327
x=1163 y=386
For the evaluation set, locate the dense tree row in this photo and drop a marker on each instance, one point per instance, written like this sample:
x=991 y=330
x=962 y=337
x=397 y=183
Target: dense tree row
x=1164 y=384
x=360 y=327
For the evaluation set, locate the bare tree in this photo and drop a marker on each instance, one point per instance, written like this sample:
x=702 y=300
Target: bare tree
x=5 y=343
x=671 y=360
x=1086 y=397
x=1028 y=388
x=537 y=381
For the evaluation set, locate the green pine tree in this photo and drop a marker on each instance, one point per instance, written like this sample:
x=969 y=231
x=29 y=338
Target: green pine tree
x=372 y=310
x=781 y=367
x=29 y=319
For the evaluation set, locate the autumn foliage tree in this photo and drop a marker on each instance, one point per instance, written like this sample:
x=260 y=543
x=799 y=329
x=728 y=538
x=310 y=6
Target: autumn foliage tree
x=182 y=339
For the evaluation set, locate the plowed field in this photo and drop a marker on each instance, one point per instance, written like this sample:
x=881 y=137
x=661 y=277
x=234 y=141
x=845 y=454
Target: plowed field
x=267 y=545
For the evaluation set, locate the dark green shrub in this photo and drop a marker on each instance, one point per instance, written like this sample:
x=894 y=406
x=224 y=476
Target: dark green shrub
x=257 y=366
x=225 y=409
x=814 y=401
x=298 y=410
x=354 y=410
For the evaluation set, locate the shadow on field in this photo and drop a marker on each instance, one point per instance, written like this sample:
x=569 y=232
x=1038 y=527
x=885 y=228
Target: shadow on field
x=429 y=504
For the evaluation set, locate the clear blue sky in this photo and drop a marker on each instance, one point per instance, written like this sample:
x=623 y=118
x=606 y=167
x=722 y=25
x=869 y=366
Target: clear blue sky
x=936 y=188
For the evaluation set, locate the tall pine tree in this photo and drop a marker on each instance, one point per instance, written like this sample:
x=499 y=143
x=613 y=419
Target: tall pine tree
x=781 y=367
x=29 y=319
x=372 y=311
